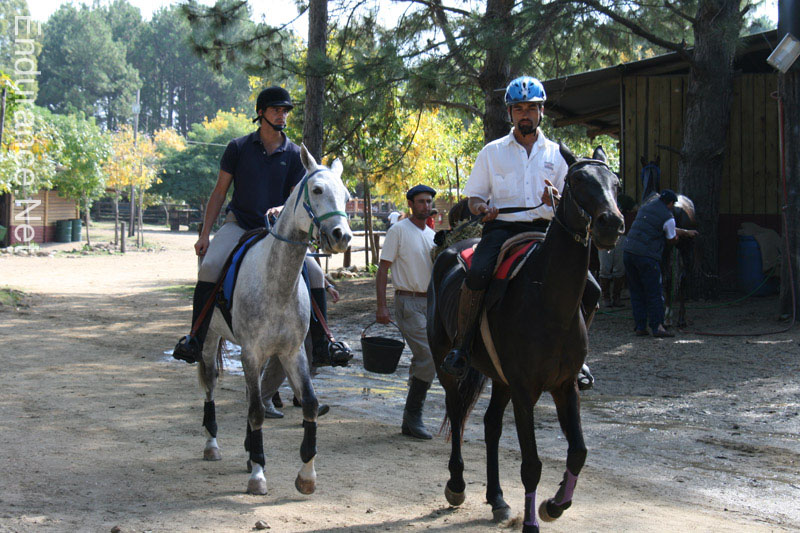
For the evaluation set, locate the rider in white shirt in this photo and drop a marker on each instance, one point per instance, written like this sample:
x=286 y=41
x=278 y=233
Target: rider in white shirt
x=518 y=170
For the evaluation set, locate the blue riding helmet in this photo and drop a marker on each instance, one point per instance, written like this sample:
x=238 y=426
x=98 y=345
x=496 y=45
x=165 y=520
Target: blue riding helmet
x=525 y=89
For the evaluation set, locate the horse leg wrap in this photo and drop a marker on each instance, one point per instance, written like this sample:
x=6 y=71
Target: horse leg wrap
x=308 y=450
x=247 y=438
x=564 y=494
x=530 y=510
x=210 y=419
x=256 y=448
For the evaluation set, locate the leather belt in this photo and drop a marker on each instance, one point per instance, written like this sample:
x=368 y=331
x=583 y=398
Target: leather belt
x=399 y=292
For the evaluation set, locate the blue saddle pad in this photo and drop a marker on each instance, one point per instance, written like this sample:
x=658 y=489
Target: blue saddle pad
x=233 y=270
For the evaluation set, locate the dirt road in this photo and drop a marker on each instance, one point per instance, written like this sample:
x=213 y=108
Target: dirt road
x=98 y=428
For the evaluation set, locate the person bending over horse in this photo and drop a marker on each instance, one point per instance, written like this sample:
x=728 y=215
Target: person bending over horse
x=263 y=167
x=524 y=169
x=653 y=227
x=407 y=251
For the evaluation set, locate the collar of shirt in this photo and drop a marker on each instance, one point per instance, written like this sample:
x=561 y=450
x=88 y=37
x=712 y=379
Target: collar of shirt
x=255 y=137
x=538 y=145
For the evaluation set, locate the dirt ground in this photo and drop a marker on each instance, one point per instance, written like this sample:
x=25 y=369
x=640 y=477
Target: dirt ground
x=100 y=428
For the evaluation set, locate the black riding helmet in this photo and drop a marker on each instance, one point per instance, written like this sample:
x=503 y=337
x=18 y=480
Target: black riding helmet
x=274 y=97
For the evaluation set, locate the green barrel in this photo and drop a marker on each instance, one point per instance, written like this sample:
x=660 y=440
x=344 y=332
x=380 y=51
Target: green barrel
x=3 y=231
x=63 y=231
x=76 y=230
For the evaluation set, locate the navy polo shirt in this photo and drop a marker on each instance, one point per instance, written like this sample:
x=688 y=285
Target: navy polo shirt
x=260 y=181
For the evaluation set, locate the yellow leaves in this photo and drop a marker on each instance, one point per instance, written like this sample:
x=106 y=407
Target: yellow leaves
x=169 y=139
x=134 y=160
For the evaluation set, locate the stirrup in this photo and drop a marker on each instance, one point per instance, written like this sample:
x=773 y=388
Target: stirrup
x=188 y=349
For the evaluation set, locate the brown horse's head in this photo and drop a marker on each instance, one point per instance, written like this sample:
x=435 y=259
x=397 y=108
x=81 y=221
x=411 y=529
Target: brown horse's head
x=590 y=198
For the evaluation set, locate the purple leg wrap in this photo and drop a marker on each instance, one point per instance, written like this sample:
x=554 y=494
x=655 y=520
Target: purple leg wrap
x=570 y=480
x=530 y=508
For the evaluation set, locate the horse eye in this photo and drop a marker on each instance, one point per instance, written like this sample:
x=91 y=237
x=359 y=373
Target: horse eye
x=317 y=190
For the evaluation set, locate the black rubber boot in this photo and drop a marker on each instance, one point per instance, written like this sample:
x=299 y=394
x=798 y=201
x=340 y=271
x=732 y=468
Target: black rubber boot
x=190 y=348
x=412 y=414
x=470 y=303
x=319 y=341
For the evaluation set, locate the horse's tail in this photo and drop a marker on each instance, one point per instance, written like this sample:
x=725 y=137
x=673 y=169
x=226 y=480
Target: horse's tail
x=469 y=390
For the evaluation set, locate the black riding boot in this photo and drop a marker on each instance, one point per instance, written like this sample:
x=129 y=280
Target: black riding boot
x=319 y=341
x=190 y=348
x=412 y=414
x=470 y=303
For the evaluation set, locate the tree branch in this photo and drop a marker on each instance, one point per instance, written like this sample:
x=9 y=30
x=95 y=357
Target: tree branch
x=454 y=105
x=440 y=18
x=681 y=14
x=638 y=30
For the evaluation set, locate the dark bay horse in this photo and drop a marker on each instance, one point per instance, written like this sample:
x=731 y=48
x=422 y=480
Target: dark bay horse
x=685 y=218
x=539 y=334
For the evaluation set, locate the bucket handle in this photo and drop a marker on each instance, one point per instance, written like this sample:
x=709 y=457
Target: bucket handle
x=364 y=331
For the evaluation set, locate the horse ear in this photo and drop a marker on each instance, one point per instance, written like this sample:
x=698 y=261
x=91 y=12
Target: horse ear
x=308 y=160
x=336 y=168
x=600 y=154
x=566 y=153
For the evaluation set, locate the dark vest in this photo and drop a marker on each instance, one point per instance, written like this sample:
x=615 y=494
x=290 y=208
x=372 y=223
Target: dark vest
x=646 y=237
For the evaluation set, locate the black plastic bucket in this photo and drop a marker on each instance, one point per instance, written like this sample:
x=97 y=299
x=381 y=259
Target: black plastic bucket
x=381 y=354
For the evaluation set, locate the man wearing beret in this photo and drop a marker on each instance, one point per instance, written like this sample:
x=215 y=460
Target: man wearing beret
x=407 y=251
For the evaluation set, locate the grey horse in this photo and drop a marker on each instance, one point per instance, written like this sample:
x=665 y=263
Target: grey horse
x=270 y=315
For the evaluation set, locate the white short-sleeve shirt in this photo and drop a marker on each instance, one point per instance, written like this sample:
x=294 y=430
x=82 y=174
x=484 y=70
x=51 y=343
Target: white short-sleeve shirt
x=408 y=248
x=504 y=175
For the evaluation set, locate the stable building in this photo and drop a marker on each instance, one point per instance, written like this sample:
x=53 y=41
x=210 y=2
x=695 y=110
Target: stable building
x=642 y=104
x=41 y=211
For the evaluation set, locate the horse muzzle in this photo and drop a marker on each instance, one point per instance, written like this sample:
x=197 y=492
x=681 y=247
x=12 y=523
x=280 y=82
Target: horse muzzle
x=607 y=229
x=335 y=239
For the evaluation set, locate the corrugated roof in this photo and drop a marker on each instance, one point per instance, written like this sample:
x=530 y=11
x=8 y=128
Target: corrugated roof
x=593 y=98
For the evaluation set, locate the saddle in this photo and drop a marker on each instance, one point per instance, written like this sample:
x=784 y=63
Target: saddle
x=514 y=253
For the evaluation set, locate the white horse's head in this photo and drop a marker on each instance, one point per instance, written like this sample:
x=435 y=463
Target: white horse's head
x=326 y=198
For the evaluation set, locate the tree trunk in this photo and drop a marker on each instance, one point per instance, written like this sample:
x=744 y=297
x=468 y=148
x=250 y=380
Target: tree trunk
x=131 y=222
x=708 y=107
x=313 y=117
x=367 y=222
x=86 y=218
x=140 y=218
x=496 y=69
x=789 y=92
x=116 y=217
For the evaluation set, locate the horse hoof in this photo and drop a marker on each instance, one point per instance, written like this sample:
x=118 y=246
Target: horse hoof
x=501 y=514
x=211 y=454
x=549 y=511
x=305 y=486
x=257 y=486
x=453 y=498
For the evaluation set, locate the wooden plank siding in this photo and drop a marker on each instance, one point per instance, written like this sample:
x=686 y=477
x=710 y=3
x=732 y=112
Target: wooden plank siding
x=43 y=217
x=653 y=110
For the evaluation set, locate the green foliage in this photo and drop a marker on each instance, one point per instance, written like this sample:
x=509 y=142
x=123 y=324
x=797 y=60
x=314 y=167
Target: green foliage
x=84 y=69
x=31 y=148
x=85 y=150
x=190 y=175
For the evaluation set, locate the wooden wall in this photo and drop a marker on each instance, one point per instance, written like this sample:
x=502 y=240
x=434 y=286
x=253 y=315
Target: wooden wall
x=653 y=109
x=52 y=209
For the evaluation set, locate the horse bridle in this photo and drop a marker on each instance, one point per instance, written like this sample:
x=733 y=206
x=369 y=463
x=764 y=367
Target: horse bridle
x=316 y=221
x=586 y=217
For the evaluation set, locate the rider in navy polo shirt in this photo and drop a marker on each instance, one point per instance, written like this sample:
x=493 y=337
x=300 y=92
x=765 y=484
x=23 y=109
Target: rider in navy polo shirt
x=263 y=167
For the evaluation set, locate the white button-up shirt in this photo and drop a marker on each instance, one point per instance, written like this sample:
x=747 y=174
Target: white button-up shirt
x=505 y=175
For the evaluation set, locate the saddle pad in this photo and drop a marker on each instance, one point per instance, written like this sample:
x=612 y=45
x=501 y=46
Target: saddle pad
x=506 y=266
x=235 y=262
